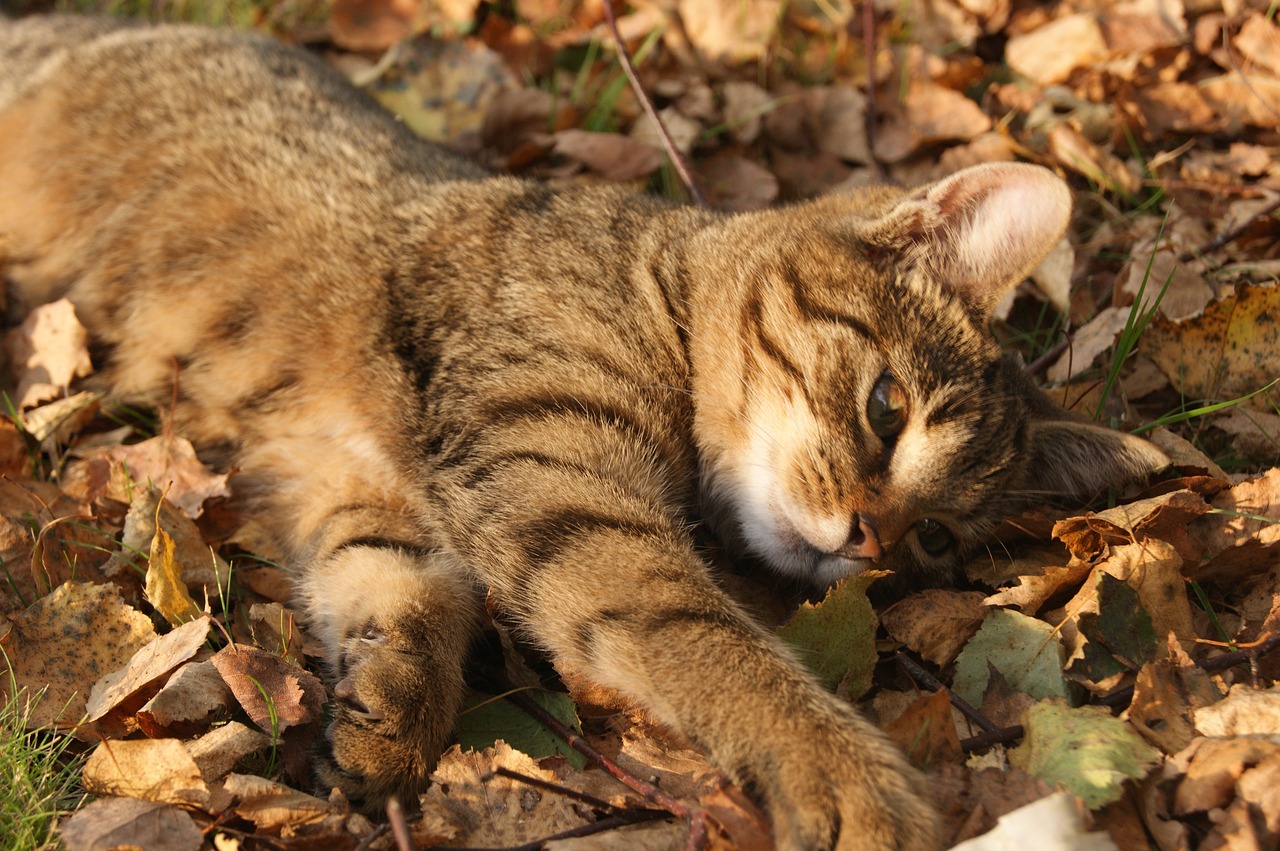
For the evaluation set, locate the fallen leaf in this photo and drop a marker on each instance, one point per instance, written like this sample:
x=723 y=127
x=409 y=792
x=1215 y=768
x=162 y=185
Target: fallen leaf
x=497 y=811
x=1050 y=53
x=124 y=691
x=935 y=623
x=730 y=30
x=159 y=770
x=108 y=824
x=1095 y=337
x=171 y=461
x=256 y=677
x=610 y=155
x=222 y=748
x=1026 y=651
x=48 y=351
x=271 y=805
x=1167 y=692
x=489 y=720
x=189 y=702
x=925 y=731
x=1083 y=749
x=66 y=641
x=1246 y=711
x=164 y=586
x=735 y=183
x=1053 y=822
x=836 y=638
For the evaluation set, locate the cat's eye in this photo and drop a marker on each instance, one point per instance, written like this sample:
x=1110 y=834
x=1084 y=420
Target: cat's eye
x=887 y=407
x=935 y=539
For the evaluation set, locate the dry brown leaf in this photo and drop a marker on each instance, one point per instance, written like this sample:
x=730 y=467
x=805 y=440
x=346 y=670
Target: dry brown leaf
x=497 y=811
x=48 y=352
x=373 y=25
x=730 y=30
x=745 y=826
x=69 y=639
x=1091 y=340
x=736 y=183
x=297 y=695
x=1165 y=516
x=201 y=566
x=1229 y=351
x=62 y=418
x=680 y=771
x=935 y=623
x=745 y=104
x=171 y=461
x=159 y=770
x=929 y=114
x=1259 y=42
x=1153 y=569
x=684 y=132
x=1167 y=692
x=123 y=692
x=221 y=749
x=1255 y=434
x=609 y=155
x=271 y=805
x=839 y=121
x=1244 y=99
x=165 y=589
x=126 y=823
x=1033 y=591
x=192 y=699
x=1049 y=54
x=1246 y=711
x=1073 y=150
x=925 y=731
x=277 y=631
x=1238 y=540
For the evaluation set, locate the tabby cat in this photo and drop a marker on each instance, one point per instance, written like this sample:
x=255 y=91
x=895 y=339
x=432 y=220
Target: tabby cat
x=436 y=383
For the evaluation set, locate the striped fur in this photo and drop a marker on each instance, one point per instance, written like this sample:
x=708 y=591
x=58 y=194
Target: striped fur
x=435 y=382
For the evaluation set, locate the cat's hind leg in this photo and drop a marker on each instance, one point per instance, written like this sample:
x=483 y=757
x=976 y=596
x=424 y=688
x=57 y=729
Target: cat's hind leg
x=397 y=622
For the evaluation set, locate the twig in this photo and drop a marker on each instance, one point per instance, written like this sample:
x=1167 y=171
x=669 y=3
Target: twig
x=1042 y=363
x=929 y=681
x=559 y=789
x=1246 y=654
x=696 y=816
x=624 y=56
x=372 y=837
x=588 y=829
x=991 y=738
x=399 y=827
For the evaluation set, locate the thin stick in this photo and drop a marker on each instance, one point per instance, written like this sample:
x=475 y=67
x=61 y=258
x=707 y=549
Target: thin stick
x=984 y=741
x=399 y=827
x=588 y=829
x=929 y=681
x=696 y=816
x=624 y=56
x=589 y=800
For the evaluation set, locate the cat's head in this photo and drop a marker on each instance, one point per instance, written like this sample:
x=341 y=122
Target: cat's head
x=853 y=409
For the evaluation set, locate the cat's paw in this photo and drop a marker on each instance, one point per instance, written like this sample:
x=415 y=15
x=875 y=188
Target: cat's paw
x=848 y=789
x=393 y=714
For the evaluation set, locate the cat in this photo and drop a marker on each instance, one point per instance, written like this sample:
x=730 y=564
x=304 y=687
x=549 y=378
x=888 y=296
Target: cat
x=437 y=383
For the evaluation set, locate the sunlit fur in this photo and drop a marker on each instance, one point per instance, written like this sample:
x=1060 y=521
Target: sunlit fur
x=436 y=384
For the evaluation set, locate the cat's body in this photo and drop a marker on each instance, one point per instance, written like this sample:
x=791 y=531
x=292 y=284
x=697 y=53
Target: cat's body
x=434 y=381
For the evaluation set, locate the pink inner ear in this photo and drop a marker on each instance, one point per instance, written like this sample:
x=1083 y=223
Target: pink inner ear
x=995 y=223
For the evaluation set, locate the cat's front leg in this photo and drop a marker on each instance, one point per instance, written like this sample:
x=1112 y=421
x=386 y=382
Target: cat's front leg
x=638 y=612
x=396 y=622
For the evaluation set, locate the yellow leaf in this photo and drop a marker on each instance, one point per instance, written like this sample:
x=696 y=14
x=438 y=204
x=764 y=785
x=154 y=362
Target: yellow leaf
x=1228 y=351
x=165 y=588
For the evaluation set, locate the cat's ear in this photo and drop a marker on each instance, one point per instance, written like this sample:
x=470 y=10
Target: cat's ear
x=983 y=229
x=1082 y=459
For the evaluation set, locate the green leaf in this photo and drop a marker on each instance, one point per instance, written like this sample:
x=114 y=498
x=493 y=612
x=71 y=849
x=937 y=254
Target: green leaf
x=1026 y=652
x=1119 y=636
x=836 y=638
x=487 y=719
x=1084 y=749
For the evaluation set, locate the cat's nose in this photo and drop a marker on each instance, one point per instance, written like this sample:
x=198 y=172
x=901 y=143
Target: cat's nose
x=864 y=540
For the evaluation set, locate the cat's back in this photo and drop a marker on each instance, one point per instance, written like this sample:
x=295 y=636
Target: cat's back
x=252 y=110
